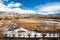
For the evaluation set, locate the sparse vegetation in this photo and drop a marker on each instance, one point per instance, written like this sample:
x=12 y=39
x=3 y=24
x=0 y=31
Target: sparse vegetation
x=29 y=25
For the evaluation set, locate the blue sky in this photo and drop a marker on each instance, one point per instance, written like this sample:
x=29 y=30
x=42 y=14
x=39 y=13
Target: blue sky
x=31 y=6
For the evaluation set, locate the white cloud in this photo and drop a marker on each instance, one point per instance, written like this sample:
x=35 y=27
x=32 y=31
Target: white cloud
x=49 y=8
x=9 y=8
x=2 y=7
x=21 y=11
x=14 y=4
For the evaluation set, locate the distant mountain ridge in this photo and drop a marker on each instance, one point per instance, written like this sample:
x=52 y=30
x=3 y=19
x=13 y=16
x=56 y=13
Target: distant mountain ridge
x=56 y=14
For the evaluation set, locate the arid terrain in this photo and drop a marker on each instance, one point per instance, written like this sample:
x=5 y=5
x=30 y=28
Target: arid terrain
x=35 y=23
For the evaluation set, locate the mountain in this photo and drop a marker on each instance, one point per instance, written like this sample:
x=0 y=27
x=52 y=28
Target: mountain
x=18 y=14
x=56 y=14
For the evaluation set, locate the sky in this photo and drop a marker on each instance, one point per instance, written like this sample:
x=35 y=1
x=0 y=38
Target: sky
x=30 y=6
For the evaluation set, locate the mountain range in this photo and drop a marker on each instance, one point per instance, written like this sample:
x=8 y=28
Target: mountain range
x=56 y=14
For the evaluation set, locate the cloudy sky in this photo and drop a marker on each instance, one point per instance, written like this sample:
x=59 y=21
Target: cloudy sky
x=30 y=6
